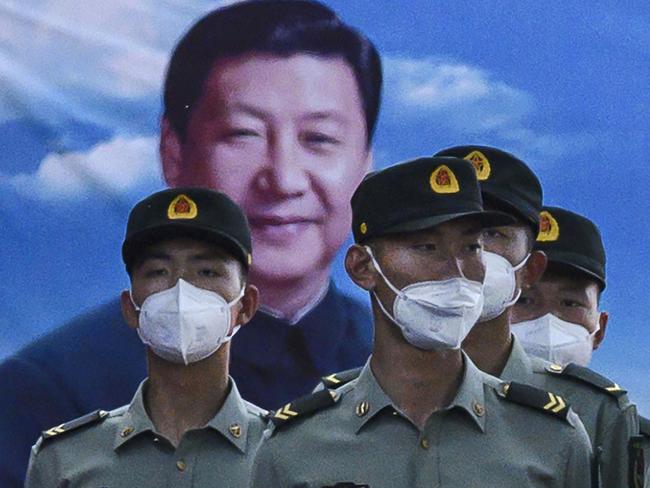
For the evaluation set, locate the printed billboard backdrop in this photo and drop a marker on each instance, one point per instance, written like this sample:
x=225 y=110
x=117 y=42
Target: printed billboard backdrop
x=563 y=87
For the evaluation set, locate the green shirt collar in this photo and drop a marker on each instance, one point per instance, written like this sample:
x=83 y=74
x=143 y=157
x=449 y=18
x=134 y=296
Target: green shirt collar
x=370 y=399
x=231 y=420
x=518 y=365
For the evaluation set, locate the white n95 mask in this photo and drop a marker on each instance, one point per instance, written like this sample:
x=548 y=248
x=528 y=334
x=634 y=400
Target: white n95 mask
x=499 y=285
x=434 y=315
x=185 y=324
x=556 y=340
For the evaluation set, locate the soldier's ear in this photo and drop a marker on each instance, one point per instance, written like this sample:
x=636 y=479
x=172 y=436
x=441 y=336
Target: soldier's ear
x=360 y=268
x=599 y=336
x=129 y=312
x=249 y=305
x=170 y=153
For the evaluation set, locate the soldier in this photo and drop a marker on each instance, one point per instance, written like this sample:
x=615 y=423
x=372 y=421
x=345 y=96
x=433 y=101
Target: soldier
x=187 y=252
x=420 y=413
x=512 y=265
x=558 y=318
x=273 y=103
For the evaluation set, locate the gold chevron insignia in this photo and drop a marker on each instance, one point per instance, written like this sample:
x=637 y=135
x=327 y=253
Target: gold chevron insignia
x=333 y=379
x=55 y=430
x=285 y=412
x=556 y=403
x=614 y=388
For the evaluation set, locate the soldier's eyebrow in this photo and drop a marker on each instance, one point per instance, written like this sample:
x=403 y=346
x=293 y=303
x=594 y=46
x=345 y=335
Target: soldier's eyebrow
x=473 y=231
x=208 y=256
x=156 y=255
x=574 y=288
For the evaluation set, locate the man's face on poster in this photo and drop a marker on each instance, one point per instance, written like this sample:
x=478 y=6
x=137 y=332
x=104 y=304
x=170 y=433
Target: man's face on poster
x=285 y=137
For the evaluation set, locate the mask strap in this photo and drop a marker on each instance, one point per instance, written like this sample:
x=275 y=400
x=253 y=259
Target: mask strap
x=229 y=336
x=522 y=264
x=383 y=309
x=230 y=304
x=381 y=273
x=236 y=299
x=518 y=294
x=137 y=309
x=513 y=301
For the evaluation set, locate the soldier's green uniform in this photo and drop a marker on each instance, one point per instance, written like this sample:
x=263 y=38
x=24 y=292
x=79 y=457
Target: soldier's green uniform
x=483 y=438
x=604 y=408
x=640 y=455
x=122 y=448
x=491 y=434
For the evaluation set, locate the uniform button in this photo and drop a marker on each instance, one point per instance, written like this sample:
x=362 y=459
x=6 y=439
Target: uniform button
x=155 y=439
x=235 y=430
x=479 y=410
x=126 y=431
x=424 y=443
x=180 y=465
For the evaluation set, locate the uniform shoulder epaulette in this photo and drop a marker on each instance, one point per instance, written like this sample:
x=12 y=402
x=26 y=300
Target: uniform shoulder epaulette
x=336 y=380
x=85 y=420
x=303 y=406
x=529 y=396
x=588 y=376
x=644 y=426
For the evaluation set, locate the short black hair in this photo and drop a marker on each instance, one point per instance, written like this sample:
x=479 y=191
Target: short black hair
x=279 y=27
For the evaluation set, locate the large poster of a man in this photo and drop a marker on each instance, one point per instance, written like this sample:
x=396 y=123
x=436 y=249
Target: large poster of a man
x=285 y=126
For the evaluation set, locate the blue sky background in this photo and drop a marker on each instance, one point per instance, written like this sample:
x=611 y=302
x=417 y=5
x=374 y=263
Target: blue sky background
x=560 y=84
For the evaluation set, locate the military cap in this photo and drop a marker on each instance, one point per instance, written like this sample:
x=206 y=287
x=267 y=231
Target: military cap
x=506 y=181
x=418 y=194
x=573 y=240
x=192 y=212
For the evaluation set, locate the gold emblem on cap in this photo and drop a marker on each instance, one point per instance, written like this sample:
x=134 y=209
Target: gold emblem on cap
x=363 y=227
x=182 y=207
x=481 y=164
x=443 y=180
x=549 y=230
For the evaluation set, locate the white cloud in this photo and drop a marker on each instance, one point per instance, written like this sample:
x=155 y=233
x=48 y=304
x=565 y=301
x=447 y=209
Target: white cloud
x=466 y=96
x=117 y=167
x=52 y=51
x=470 y=102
